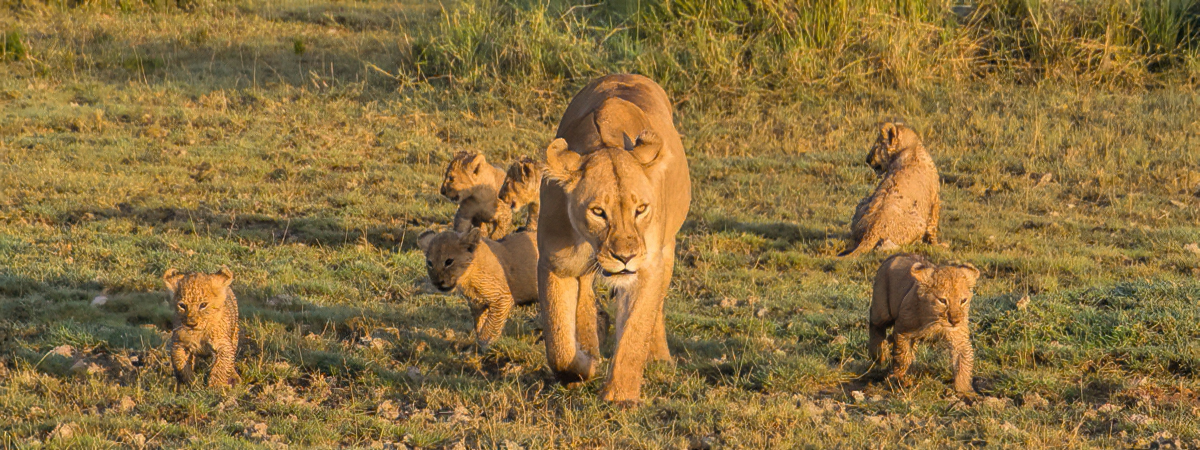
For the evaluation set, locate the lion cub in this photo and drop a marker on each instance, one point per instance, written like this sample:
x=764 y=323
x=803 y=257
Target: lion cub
x=920 y=300
x=492 y=275
x=522 y=186
x=905 y=206
x=473 y=184
x=206 y=322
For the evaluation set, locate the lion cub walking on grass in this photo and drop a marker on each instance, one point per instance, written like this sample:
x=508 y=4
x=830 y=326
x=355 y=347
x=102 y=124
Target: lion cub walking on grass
x=492 y=275
x=206 y=322
x=522 y=186
x=473 y=184
x=905 y=206
x=920 y=300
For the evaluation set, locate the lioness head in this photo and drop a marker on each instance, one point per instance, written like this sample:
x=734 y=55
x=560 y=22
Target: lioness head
x=894 y=137
x=610 y=200
x=945 y=291
x=521 y=183
x=463 y=173
x=199 y=298
x=448 y=255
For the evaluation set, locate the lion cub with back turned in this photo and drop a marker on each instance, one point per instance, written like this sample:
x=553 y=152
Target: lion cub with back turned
x=920 y=300
x=522 y=186
x=206 y=322
x=492 y=275
x=474 y=184
x=905 y=206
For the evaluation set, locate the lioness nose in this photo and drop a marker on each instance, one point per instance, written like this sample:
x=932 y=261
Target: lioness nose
x=623 y=257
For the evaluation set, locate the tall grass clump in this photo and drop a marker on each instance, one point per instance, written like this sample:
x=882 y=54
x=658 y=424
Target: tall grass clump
x=739 y=45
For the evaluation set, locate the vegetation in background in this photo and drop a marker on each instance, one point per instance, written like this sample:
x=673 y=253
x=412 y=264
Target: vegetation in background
x=301 y=142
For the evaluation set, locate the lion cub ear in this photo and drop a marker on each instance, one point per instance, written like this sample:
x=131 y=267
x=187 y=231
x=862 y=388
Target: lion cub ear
x=471 y=239
x=224 y=277
x=562 y=164
x=970 y=271
x=922 y=272
x=425 y=239
x=476 y=163
x=645 y=147
x=171 y=277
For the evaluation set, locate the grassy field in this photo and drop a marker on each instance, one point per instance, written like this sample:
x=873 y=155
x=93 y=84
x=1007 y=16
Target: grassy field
x=301 y=143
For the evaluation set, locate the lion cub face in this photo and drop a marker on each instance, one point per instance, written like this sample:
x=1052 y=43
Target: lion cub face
x=448 y=255
x=944 y=292
x=894 y=138
x=609 y=200
x=464 y=173
x=199 y=298
x=522 y=183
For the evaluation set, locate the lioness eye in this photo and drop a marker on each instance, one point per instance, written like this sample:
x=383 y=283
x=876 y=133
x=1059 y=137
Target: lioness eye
x=641 y=209
x=449 y=262
x=598 y=212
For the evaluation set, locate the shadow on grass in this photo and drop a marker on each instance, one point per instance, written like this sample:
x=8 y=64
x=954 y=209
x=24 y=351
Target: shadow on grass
x=262 y=229
x=788 y=233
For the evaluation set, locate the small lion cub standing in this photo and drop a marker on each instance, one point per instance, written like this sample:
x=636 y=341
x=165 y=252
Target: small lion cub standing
x=206 y=322
x=905 y=206
x=474 y=184
x=492 y=275
x=522 y=186
x=919 y=301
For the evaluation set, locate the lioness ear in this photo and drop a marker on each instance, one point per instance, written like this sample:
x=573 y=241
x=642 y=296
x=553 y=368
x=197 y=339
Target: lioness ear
x=645 y=147
x=562 y=164
x=425 y=239
x=971 y=272
x=224 y=277
x=171 y=278
x=921 y=272
x=472 y=238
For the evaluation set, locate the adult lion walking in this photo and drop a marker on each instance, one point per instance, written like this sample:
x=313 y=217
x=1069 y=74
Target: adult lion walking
x=615 y=194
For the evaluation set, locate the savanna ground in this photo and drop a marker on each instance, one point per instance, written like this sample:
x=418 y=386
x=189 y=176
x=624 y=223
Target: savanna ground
x=301 y=143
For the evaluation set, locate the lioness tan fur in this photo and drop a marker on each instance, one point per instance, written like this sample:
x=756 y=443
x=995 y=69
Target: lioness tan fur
x=522 y=187
x=492 y=275
x=616 y=192
x=920 y=300
x=905 y=206
x=206 y=322
x=473 y=184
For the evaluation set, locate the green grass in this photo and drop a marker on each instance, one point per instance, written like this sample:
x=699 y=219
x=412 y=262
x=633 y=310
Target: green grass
x=301 y=143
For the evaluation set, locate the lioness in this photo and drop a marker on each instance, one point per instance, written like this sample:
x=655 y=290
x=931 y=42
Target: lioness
x=473 y=184
x=615 y=194
x=905 y=206
x=921 y=301
x=492 y=275
x=522 y=187
x=206 y=322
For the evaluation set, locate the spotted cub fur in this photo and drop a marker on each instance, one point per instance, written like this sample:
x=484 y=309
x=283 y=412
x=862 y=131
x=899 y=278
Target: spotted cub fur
x=492 y=275
x=920 y=301
x=474 y=184
x=206 y=322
